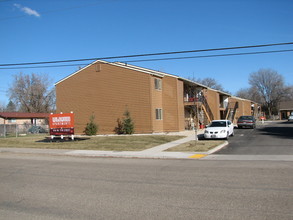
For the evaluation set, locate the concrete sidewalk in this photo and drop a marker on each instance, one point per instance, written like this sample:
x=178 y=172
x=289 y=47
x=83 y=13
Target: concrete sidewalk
x=155 y=152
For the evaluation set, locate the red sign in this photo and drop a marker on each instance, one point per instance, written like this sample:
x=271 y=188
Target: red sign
x=61 y=124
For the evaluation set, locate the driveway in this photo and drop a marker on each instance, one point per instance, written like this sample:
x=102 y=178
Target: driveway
x=271 y=138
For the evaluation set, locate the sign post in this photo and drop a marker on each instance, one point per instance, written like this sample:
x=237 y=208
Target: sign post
x=262 y=119
x=62 y=124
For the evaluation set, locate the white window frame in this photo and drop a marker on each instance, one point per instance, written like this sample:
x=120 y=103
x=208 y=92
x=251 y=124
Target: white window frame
x=158 y=84
x=159 y=114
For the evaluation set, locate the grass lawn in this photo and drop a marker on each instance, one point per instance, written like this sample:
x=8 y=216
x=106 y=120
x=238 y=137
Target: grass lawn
x=108 y=143
x=196 y=146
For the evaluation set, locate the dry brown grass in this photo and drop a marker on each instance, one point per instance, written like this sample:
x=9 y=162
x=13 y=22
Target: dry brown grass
x=196 y=146
x=109 y=143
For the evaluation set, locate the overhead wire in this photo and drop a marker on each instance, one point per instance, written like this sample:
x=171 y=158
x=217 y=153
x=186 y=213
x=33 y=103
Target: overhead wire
x=163 y=53
x=156 y=59
x=208 y=56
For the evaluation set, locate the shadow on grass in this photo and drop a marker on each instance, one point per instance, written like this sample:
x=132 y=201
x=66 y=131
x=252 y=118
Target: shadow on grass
x=65 y=139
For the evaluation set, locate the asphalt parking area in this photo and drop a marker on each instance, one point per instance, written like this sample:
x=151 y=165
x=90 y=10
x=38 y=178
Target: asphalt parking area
x=274 y=138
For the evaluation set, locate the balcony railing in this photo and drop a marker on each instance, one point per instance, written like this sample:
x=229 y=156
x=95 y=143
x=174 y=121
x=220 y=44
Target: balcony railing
x=190 y=99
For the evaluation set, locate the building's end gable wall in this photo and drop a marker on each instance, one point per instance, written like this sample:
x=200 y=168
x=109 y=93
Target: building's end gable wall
x=244 y=107
x=213 y=100
x=173 y=104
x=106 y=91
x=181 y=113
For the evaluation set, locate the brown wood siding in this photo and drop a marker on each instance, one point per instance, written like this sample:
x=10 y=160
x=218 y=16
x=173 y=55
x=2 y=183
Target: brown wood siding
x=244 y=107
x=106 y=93
x=171 y=104
x=181 y=113
x=213 y=100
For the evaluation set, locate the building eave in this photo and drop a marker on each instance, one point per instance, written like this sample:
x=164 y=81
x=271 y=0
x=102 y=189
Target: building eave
x=122 y=65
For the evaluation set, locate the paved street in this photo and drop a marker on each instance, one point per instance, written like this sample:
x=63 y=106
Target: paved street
x=59 y=187
x=249 y=179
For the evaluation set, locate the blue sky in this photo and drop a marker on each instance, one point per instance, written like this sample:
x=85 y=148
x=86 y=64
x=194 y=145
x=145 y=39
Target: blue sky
x=39 y=30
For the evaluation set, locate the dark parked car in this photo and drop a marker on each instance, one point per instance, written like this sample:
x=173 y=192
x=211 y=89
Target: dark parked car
x=246 y=121
x=36 y=130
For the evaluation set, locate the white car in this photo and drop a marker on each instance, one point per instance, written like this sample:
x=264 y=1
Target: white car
x=219 y=129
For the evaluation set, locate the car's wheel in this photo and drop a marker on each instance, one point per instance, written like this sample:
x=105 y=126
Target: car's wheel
x=232 y=134
x=227 y=135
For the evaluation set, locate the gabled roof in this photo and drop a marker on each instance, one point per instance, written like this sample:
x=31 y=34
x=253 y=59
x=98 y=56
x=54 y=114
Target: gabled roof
x=123 y=65
x=242 y=99
x=219 y=91
x=191 y=82
x=288 y=105
x=136 y=68
x=148 y=71
x=23 y=115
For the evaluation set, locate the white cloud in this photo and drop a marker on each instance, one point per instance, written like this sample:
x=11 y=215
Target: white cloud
x=27 y=10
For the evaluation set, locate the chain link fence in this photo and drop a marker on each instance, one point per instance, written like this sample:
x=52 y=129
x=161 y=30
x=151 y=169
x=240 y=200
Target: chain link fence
x=15 y=130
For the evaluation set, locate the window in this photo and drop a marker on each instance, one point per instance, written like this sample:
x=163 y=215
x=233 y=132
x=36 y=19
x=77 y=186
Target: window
x=159 y=114
x=158 y=84
x=12 y=120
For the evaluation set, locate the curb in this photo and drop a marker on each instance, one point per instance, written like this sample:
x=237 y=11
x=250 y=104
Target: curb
x=218 y=148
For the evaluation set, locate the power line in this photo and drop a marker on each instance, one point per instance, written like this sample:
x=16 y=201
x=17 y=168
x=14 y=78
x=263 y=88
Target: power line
x=208 y=56
x=31 y=67
x=151 y=54
x=161 y=59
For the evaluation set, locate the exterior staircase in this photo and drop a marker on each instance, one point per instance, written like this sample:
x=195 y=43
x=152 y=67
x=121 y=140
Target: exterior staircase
x=231 y=111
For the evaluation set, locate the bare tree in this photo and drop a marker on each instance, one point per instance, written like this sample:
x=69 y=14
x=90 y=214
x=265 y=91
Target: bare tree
x=209 y=82
x=32 y=93
x=2 y=107
x=270 y=86
x=288 y=94
x=249 y=93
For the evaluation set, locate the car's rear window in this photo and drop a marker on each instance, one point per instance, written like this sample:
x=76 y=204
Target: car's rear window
x=246 y=118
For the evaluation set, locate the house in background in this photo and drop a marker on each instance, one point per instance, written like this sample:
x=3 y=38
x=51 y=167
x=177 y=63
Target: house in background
x=21 y=118
x=20 y=122
x=157 y=101
x=285 y=109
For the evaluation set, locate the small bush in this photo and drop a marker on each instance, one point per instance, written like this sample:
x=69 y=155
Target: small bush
x=126 y=126
x=91 y=127
x=119 y=128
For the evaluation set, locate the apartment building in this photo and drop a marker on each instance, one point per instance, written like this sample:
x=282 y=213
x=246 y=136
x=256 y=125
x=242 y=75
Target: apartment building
x=157 y=101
